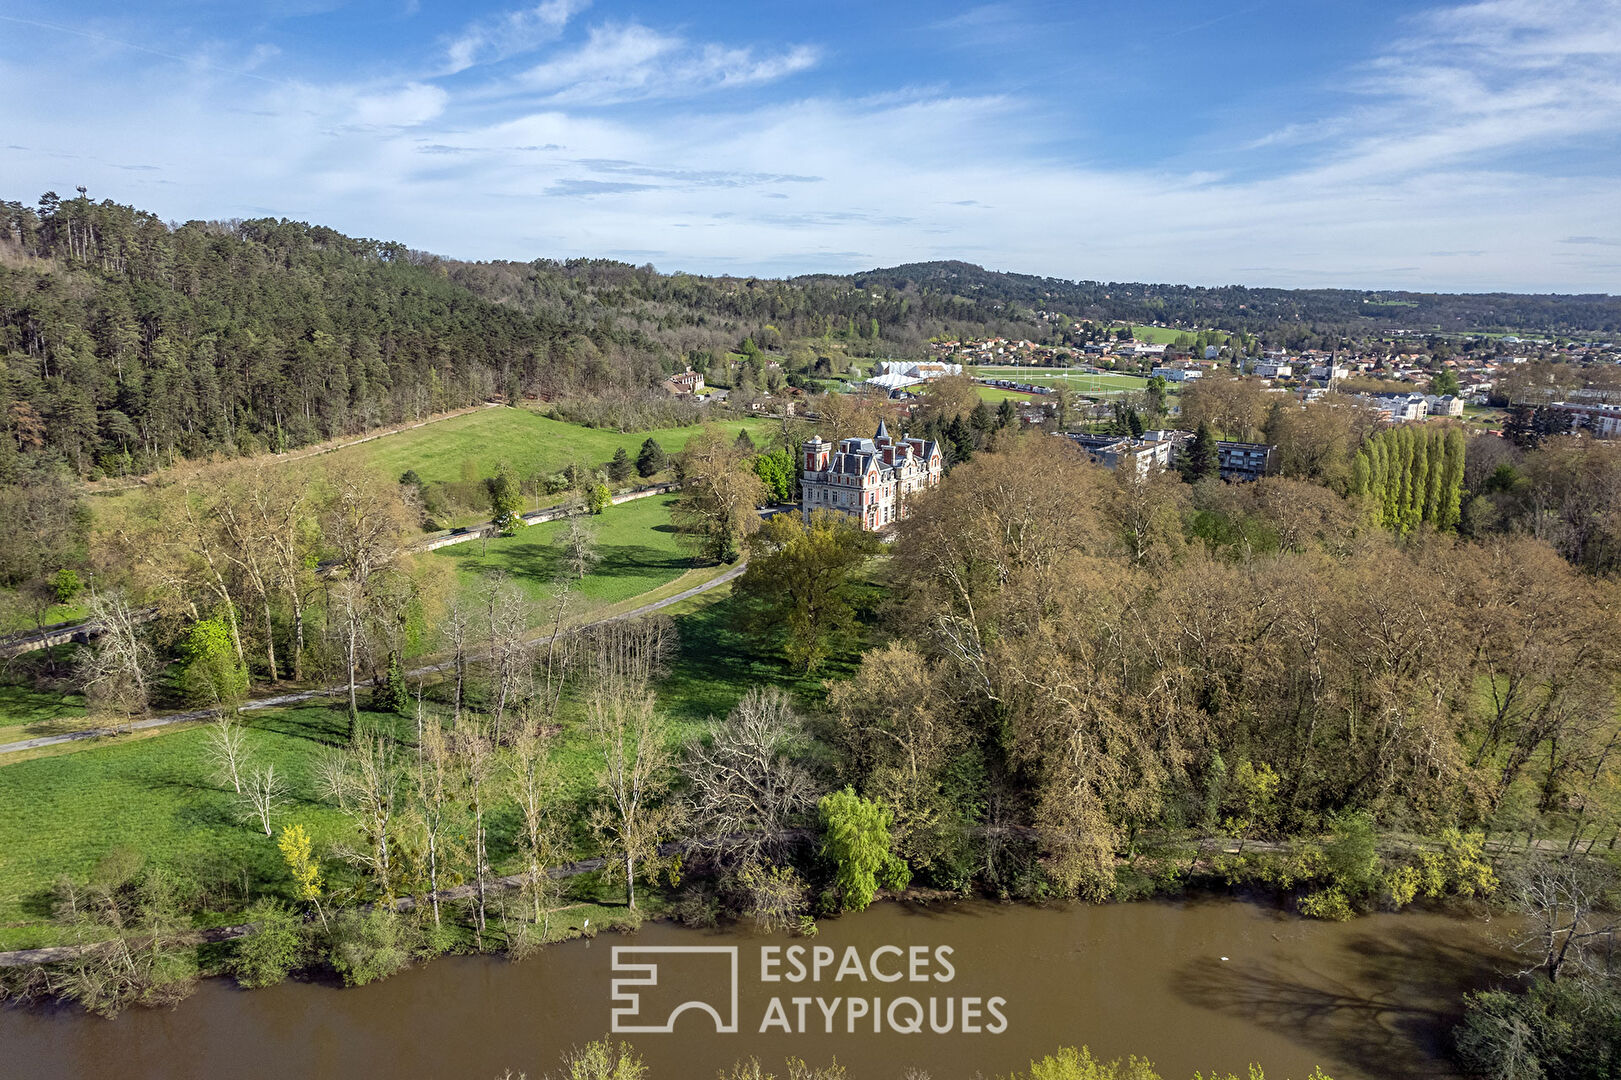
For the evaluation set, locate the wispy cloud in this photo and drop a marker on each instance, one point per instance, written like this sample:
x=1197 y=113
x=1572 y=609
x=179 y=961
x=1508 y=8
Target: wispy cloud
x=1448 y=159
x=512 y=34
x=624 y=62
x=595 y=187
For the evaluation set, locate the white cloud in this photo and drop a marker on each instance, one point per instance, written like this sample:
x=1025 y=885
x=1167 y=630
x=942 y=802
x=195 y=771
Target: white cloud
x=512 y=34
x=408 y=106
x=1442 y=169
x=629 y=62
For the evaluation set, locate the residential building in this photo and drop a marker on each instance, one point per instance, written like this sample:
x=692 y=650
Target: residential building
x=1111 y=451
x=1401 y=408
x=1329 y=372
x=1177 y=374
x=1272 y=369
x=688 y=382
x=871 y=480
x=1443 y=404
x=1242 y=461
x=1604 y=421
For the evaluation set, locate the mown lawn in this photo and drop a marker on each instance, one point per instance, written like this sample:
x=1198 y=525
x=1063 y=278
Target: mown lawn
x=1162 y=335
x=640 y=551
x=1081 y=382
x=157 y=796
x=26 y=707
x=531 y=443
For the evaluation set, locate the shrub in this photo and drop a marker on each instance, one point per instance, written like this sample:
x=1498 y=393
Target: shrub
x=364 y=946
x=1329 y=904
x=601 y=1060
x=277 y=946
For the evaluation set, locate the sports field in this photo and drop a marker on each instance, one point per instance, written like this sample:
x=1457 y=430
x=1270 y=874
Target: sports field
x=1079 y=381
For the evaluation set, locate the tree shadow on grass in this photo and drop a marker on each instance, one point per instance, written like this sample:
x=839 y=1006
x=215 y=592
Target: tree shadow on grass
x=639 y=561
x=717 y=662
x=1392 y=1015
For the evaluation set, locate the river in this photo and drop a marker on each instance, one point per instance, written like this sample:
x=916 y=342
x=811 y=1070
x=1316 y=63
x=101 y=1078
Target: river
x=1202 y=984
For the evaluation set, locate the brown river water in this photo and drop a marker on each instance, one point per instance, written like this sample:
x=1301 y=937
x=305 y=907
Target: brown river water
x=1205 y=984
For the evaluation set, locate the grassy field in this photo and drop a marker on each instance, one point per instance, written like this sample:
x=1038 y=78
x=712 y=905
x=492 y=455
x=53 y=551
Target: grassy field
x=995 y=395
x=36 y=710
x=470 y=446
x=1161 y=335
x=63 y=815
x=531 y=443
x=639 y=547
x=1079 y=381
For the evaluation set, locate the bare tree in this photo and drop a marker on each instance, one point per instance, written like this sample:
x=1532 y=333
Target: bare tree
x=533 y=781
x=632 y=739
x=475 y=757
x=558 y=657
x=578 y=541
x=364 y=781
x=434 y=803
x=456 y=631
x=116 y=673
x=511 y=656
x=746 y=788
x=228 y=750
x=239 y=508
x=366 y=524
x=262 y=795
x=288 y=532
x=1567 y=924
x=628 y=652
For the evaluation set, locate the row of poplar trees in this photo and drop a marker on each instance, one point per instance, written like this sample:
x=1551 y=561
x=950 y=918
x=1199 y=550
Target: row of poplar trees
x=1412 y=475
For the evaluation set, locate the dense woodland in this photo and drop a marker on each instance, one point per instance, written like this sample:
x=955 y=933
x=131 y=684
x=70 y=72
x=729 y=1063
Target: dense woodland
x=1238 y=307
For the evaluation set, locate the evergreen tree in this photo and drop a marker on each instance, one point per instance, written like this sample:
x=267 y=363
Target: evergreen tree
x=390 y=695
x=651 y=459
x=619 y=467
x=981 y=419
x=1202 y=460
x=1007 y=415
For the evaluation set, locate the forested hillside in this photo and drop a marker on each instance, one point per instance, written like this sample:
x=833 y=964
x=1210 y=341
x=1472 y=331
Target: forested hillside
x=1237 y=307
x=126 y=342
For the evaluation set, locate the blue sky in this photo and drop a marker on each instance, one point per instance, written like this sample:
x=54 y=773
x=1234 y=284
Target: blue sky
x=1271 y=142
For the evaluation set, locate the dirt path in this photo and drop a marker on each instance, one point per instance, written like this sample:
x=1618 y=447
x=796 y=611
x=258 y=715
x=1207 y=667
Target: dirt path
x=297 y=696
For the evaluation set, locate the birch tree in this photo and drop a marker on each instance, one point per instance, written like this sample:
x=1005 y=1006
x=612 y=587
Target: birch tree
x=263 y=794
x=364 y=782
x=533 y=781
x=636 y=770
x=227 y=750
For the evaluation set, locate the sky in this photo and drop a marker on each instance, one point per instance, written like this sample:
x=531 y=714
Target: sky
x=1295 y=143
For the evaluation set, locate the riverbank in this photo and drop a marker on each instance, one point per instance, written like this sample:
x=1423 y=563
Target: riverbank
x=1195 y=984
